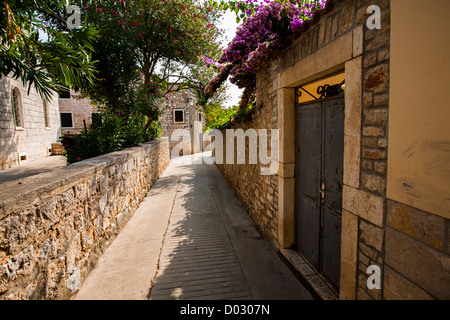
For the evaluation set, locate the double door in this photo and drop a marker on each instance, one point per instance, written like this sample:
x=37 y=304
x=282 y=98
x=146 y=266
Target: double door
x=318 y=188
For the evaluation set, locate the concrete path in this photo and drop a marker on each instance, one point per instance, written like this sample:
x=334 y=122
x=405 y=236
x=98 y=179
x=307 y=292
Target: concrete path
x=28 y=169
x=191 y=239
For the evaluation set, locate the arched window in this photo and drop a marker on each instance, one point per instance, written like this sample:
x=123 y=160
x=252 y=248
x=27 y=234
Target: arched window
x=17 y=107
x=46 y=114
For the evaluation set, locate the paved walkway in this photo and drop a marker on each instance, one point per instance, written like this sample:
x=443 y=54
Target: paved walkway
x=28 y=169
x=191 y=239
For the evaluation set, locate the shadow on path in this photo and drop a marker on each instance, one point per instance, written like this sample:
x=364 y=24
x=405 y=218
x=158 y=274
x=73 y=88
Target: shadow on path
x=213 y=251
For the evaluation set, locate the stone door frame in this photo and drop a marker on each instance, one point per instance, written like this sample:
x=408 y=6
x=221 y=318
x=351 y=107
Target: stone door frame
x=345 y=53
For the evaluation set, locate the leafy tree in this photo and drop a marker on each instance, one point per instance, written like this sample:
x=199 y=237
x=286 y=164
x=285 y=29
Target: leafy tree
x=218 y=117
x=37 y=47
x=148 y=48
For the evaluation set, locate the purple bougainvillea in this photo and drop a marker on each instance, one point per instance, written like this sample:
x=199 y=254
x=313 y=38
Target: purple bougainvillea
x=261 y=37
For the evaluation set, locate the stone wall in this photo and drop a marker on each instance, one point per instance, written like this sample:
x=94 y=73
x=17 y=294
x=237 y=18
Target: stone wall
x=417 y=254
x=54 y=227
x=33 y=140
x=410 y=246
x=181 y=134
x=258 y=193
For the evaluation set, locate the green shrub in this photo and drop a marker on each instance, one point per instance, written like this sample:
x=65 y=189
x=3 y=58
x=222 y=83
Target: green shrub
x=113 y=133
x=218 y=117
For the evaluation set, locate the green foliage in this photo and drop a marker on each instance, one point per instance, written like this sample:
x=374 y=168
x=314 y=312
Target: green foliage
x=49 y=62
x=148 y=43
x=218 y=117
x=114 y=133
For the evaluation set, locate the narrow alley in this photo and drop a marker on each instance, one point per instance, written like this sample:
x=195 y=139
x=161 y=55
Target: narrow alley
x=191 y=239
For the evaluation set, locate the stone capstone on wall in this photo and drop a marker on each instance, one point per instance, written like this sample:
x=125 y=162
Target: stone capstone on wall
x=55 y=226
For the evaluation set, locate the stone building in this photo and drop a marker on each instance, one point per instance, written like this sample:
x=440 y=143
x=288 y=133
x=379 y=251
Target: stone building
x=360 y=204
x=182 y=122
x=28 y=124
x=76 y=112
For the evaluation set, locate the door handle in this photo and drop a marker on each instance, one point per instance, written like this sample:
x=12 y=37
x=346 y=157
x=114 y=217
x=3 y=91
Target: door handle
x=322 y=192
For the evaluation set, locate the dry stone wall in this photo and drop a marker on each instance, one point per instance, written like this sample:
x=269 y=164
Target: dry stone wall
x=54 y=227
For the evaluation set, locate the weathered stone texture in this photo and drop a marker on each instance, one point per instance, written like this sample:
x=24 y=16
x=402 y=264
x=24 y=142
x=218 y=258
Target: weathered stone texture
x=258 y=193
x=425 y=266
x=417 y=224
x=181 y=134
x=396 y=287
x=54 y=227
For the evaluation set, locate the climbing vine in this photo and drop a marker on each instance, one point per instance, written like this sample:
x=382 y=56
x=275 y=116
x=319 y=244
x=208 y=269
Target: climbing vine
x=259 y=38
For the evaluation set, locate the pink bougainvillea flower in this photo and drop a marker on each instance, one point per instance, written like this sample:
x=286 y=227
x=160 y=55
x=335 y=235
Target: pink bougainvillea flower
x=140 y=35
x=99 y=9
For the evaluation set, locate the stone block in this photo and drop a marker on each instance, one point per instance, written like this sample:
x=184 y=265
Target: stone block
x=358 y=41
x=373 y=255
x=374 y=183
x=352 y=125
x=373 y=132
x=371 y=235
x=423 y=265
x=286 y=212
x=363 y=204
x=369 y=142
x=327 y=59
x=397 y=287
x=381 y=100
x=374 y=154
x=380 y=167
x=347 y=17
x=362 y=295
x=383 y=55
x=286 y=170
x=370 y=59
x=382 y=143
x=352 y=160
x=349 y=252
x=377 y=42
x=367 y=99
x=375 y=117
x=420 y=225
x=377 y=78
x=367 y=164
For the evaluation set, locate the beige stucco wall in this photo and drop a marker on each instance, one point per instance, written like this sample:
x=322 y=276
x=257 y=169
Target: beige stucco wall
x=419 y=113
